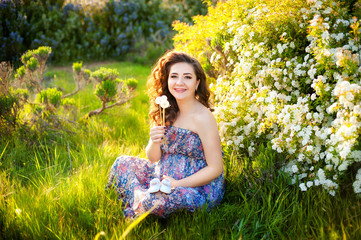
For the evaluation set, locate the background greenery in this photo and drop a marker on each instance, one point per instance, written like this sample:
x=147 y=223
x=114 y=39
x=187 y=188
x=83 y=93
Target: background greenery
x=53 y=190
x=53 y=186
x=92 y=30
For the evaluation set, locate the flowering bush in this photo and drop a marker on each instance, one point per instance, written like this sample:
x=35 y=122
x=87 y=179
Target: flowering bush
x=286 y=73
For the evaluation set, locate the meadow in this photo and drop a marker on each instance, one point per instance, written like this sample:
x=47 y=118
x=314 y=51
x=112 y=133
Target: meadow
x=56 y=189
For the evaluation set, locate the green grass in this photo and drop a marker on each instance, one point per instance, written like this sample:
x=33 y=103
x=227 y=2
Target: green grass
x=50 y=191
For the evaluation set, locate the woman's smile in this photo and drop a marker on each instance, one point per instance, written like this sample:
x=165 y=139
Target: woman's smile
x=182 y=81
x=180 y=90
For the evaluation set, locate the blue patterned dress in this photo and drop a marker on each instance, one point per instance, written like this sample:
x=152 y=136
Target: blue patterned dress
x=182 y=156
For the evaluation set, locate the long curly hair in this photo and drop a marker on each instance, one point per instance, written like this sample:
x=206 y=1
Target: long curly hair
x=157 y=85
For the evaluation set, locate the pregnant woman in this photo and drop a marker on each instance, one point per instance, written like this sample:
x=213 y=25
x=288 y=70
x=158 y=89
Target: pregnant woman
x=184 y=169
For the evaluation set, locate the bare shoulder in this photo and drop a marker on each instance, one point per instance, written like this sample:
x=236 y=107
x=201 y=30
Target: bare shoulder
x=207 y=130
x=205 y=121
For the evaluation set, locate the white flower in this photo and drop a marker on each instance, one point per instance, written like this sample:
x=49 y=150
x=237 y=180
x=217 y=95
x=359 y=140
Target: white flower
x=357 y=186
x=158 y=100
x=162 y=101
x=343 y=166
x=164 y=104
x=329 y=167
x=313 y=96
x=294 y=168
x=318 y=5
x=329 y=156
x=303 y=187
x=327 y=10
x=317 y=182
x=349 y=96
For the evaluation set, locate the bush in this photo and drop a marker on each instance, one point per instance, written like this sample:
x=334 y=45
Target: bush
x=110 y=89
x=74 y=32
x=184 y=10
x=286 y=73
x=14 y=31
x=47 y=112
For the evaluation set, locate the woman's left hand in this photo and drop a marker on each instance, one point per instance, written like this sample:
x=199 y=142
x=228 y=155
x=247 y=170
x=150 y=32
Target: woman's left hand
x=172 y=180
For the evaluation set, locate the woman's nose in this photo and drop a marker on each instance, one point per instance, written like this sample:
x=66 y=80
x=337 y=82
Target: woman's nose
x=179 y=81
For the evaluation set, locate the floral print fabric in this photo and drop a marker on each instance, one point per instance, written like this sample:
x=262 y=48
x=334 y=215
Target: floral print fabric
x=182 y=156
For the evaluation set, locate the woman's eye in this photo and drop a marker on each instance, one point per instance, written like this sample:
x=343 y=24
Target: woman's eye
x=173 y=76
x=188 y=77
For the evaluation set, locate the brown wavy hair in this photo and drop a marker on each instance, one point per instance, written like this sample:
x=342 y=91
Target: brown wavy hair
x=157 y=85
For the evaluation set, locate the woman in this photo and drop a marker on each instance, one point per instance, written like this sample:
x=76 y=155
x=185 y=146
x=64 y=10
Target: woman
x=185 y=155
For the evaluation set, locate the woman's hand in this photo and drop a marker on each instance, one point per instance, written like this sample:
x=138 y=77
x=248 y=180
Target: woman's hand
x=153 y=151
x=172 y=180
x=157 y=134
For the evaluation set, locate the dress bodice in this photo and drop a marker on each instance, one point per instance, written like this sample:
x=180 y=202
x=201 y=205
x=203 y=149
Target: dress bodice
x=181 y=141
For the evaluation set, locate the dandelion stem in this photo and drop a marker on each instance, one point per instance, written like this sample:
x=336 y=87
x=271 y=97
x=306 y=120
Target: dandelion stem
x=160 y=113
x=163 y=116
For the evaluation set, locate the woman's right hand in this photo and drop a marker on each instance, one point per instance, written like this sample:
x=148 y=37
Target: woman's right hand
x=157 y=133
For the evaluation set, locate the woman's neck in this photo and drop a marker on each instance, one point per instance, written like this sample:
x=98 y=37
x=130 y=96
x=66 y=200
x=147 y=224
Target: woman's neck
x=187 y=106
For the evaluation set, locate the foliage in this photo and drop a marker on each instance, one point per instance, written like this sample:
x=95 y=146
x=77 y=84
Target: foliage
x=184 y=10
x=110 y=30
x=49 y=111
x=68 y=177
x=81 y=78
x=131 y=83
x=286 y=73
x=31 y=73
x=14 y=31
x=9 y=102
x=124 y=22
x=49 y=97
x=111 y=89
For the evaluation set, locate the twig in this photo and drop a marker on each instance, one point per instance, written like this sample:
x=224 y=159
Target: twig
x=100 y=110
x=71 y=94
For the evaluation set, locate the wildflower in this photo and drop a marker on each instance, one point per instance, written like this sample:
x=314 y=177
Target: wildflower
x=303 y=187
x=163 y=103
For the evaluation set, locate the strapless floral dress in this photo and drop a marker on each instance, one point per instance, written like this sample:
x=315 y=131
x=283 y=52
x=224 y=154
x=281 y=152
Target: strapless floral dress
x=182 y=156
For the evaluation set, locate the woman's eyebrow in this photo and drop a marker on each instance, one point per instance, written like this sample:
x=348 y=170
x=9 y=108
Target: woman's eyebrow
x=183 y=73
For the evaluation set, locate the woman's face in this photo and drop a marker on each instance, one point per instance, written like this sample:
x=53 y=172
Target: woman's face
x=182 y=81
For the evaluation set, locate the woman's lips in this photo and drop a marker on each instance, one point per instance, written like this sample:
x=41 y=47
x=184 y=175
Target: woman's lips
x=179 y=90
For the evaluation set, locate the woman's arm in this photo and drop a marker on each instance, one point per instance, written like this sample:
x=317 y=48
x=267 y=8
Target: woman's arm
x=208 y=132
x=153 y=150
